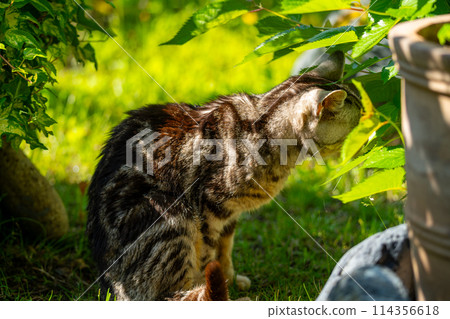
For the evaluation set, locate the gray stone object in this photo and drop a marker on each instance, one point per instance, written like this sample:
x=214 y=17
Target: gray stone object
x=369 y=283
x=390 y=249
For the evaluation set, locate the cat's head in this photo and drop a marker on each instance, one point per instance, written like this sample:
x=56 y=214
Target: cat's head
x=316 y=107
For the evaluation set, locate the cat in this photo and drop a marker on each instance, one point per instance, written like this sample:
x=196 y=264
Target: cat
x=154 y=228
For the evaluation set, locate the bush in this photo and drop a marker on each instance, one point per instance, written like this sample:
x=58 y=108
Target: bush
x=34 y=35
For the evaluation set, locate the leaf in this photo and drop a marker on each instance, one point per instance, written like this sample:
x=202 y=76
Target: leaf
x=309 y=6
x=330 y=37
x=273 y=24
x=359 y=136
x=49 y=66
x=412 y=9
x=38 y=76
x=371 y=37
x=110 y=3
x=89 y=54
x=43 y=6
x=388 y=72
x=2 y=46
x=388 y=157
x=11 y=127
x=43 y=119
x=283 y=40
x=208 y=17
x=28 y=16
x=360 y=67
x=31 y=53
x=87 y=23
x=52 y=27
x=368 y=124
x=378 y=91
x=342 y=169
x=444 y=34
x=391 y=179
x=17 y=38
x=365 y=100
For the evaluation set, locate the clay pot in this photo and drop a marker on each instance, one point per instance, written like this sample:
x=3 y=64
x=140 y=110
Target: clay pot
x=29 y=197
x=425 y=68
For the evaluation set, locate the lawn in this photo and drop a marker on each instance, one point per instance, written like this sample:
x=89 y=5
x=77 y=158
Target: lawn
x=276 y=253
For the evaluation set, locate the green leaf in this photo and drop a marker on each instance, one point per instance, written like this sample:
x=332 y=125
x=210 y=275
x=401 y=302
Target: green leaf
x=378 y=91
x=39 y=76
x=31 y=53
x=388 y=72
x=42 y=119
x=11 y=127
x=391 y=179
x=359 y=67
x=283 y=40
x=89 y=54
x=281 y=53
x=43 y=6
x=2 y=46
x=86 y=22
x=368 y=124
x=365 y=100
x=310 y=6
x=273 y=24
x=17 y=38
x=28 y=16
x=388 y=157
x=444 y=34
x=342 y=169
x=412 y=9
x=359 y=136
x=52 y=27
x=110 y=3
x=372 y=36
x=208 y=17
x=49 y=66
x=330 y=37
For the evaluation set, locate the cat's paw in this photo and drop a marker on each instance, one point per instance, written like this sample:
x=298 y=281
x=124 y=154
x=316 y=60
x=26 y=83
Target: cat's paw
x=242 y=282
x=243 y=299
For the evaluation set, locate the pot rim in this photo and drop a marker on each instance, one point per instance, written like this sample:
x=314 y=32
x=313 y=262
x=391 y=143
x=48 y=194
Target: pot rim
x=419 y=60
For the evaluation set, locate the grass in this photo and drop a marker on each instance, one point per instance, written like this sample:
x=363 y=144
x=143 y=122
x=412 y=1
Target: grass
x=282 y=261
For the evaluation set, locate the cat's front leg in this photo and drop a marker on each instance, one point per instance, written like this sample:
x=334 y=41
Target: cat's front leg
x=225 y=258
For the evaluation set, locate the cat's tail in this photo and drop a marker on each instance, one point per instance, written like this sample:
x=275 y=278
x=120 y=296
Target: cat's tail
x=215 y=289
x=216 y=285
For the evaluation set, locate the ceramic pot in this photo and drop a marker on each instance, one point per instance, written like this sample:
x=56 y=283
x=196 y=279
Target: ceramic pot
x=425 y=68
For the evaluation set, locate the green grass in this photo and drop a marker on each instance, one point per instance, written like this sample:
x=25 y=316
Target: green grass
x=273 y=251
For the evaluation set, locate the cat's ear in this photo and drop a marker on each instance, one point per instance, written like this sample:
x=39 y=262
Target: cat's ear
x=331 y=100
x=331 y=67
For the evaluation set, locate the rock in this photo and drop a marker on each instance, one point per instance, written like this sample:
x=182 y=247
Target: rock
x=389 y=248
x=369 y=283
x=29 y=197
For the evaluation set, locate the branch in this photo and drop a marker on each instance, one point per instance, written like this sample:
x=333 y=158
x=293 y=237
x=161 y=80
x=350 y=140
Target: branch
x=13 y=67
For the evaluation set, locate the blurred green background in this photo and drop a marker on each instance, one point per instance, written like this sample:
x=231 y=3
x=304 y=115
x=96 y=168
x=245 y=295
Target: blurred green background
x=281 y=260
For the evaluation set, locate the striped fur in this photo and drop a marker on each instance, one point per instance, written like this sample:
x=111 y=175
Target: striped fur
x=159 y=232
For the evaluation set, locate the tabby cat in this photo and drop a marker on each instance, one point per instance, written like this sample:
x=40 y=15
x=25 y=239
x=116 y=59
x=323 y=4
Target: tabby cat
x=153 y=234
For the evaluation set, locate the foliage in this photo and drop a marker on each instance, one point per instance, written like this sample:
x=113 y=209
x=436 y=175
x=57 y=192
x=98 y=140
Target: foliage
x=444 y=34
x=285 y=33
x=34 y=35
